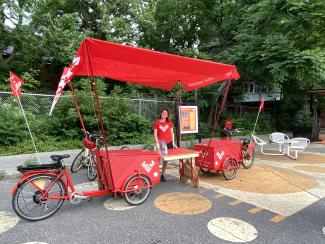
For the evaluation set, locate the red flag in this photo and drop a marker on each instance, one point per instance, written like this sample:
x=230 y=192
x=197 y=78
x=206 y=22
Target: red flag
x=261 y=105
x=65 y=78
x=15 y=84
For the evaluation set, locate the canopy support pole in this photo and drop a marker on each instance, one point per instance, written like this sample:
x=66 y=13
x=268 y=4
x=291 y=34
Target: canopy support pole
x=179 y=101
x=98 y=111
x=77 y=106
x=217 y=119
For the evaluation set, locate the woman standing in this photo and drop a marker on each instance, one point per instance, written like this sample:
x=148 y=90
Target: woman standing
x=164 y=135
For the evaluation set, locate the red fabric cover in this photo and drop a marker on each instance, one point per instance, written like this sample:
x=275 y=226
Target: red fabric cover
x=164 y=130
x=122 y=164
x=146 y=67
x=217 y=153
x=180 y=151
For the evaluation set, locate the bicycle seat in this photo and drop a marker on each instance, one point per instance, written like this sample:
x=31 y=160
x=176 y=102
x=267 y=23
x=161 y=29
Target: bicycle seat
x=39 y=167
x=58 y=158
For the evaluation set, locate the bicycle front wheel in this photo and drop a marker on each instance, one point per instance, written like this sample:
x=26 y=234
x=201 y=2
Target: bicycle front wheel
x=248 y=162
x=30 y=204
x=78 y=161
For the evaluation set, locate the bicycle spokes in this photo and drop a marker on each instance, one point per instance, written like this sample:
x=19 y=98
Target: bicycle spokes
x=31 y=203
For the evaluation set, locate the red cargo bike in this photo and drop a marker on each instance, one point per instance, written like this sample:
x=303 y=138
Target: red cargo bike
x=131 y=173
x=225 y=155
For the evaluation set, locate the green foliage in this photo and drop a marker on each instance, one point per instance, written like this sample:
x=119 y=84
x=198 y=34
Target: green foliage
x=279 y=44
x=47 y=144
x=30 y=83
x=13 y=128
x=303 y=118
x=31 y=161
x=2 y=174
x=121 y=125
x=205 y=129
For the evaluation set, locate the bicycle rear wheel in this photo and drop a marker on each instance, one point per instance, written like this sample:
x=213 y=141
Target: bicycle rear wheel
x=137 y=190
x=91 y=169
x=78 y=161
x=30 y=204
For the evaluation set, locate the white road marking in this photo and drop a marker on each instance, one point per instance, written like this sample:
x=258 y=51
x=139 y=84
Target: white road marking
x=7 y=221
x=234 y=230
x=117 y=204
x=89 y=186
x=35 y=242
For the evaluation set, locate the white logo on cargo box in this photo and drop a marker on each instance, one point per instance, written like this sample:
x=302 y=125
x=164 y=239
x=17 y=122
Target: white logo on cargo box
x=220 y=155
x=148 y=166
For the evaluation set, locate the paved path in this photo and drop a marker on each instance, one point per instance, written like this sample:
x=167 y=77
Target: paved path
x=210 y=213
x=10 y=163
x=221 y=219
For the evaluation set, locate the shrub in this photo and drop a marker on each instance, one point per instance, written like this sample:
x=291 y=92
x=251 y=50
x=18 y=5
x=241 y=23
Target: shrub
x=13 y=128
x=303 y=118
x=2 y=174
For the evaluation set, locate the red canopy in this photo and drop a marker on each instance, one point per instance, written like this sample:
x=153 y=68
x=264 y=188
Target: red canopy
x=146 y=67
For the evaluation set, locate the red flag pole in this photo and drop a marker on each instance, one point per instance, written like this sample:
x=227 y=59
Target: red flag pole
x=30 y=132
x=15 y=85
x=259 y=111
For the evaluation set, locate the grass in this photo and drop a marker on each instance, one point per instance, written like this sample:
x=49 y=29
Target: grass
x=48 y=146
x=2 y=174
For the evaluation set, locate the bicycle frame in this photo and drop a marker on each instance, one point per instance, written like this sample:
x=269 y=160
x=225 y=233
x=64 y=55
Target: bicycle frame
x=61 y=175
x=249 y=149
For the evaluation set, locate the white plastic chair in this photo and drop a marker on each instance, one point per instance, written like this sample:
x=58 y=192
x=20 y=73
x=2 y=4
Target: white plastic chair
x=297 y=144
x=280 y=139
x=262 y=143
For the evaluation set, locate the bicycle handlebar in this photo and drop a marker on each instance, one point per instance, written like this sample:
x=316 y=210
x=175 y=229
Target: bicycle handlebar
x=94 y=137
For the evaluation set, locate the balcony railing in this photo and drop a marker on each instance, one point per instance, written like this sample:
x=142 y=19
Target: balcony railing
x=255 y=97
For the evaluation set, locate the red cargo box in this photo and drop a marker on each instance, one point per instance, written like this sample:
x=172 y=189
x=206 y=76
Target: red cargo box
x=217 y=153
x=120 y=165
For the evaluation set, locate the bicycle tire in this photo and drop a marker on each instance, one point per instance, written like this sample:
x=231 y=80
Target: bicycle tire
x=34 y=199
x=149 y=147
x=91 y=170
x=205 y=170
x=78 y=161
x=249 y=163
x=125 y=148
x=230 y=169
x=139 y=195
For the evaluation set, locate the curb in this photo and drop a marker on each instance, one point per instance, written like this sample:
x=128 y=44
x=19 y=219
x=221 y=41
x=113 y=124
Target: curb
x=10 y=175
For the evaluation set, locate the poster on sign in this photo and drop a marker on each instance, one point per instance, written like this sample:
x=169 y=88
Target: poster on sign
x=188 y=119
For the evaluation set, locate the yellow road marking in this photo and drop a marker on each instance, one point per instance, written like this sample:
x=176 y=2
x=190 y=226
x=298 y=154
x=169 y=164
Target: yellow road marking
x=277 y=218
x=255 y=210
x=234 y=203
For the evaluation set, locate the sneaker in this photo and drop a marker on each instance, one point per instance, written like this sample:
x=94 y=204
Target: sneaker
x=162 y=178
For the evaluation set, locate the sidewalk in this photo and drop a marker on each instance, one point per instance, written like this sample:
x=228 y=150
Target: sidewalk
x=9 y=163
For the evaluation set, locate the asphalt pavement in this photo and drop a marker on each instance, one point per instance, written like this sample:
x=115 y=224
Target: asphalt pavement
x=91 y=222
x=173 y=213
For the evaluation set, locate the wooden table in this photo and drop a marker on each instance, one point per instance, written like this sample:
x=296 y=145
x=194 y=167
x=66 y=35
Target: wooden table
x=185 y=158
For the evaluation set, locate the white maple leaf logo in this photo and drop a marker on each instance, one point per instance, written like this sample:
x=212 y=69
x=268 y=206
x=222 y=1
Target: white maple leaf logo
x=163 y=128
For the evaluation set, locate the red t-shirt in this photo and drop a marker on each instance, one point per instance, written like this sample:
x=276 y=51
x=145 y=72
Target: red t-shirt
x=164 y=132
